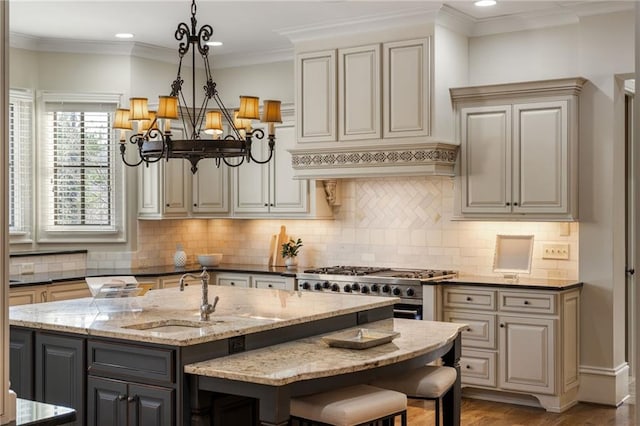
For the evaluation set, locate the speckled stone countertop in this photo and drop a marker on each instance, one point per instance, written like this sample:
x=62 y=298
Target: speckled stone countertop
x=312 y=358
x=240 y=311
x=521 y=282
x=153 y=271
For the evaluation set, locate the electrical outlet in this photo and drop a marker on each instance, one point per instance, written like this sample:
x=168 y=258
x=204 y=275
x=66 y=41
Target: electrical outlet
x=556 y=251
x=26 y=268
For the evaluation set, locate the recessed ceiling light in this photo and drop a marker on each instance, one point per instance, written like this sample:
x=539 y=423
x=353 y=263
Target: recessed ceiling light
x=124 y=35
x=214 y=43
x=485 y=3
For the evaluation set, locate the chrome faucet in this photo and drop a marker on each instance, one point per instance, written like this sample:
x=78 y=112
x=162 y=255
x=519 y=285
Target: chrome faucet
x=205 y=308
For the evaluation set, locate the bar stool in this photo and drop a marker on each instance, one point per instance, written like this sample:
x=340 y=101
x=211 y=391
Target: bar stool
x=349 y=406
x=428 y=382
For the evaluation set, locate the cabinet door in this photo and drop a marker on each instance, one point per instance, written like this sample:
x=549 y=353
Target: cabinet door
x=406 y=89
x=316 y=96
x=485 y=160
x=527 y=354
x=68 y=291
x=359 y=93
x=287 y=195
x=150 y=405
x=540 y=167
x=106 y=402
x=177 y=175
x=25 y=296
x=251 y=181
x=149 y=197
x=210 y=192
x=233 y=280
x=21 y=362
x=268 y=281
x=59 y=372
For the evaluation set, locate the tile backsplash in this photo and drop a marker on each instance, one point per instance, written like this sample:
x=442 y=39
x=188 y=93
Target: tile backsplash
x=400 y=222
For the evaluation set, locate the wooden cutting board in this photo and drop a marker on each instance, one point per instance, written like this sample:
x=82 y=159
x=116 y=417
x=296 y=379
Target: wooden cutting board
x=281 y=239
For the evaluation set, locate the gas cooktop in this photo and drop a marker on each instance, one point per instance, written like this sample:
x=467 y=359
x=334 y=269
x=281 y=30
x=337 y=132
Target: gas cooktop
x=371 y=272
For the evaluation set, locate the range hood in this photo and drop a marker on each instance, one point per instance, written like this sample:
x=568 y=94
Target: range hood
x=427 y=158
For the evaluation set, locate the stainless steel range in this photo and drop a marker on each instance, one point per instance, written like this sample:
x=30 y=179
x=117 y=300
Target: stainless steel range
x=407 y=284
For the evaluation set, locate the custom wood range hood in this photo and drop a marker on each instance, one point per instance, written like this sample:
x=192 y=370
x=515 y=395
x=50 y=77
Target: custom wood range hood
x=376 y=103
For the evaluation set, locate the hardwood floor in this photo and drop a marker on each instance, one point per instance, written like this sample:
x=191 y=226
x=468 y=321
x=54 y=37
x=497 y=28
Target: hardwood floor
x=484 y=413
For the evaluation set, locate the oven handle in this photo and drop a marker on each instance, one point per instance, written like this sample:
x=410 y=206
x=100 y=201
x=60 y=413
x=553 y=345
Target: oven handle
x=406 y=311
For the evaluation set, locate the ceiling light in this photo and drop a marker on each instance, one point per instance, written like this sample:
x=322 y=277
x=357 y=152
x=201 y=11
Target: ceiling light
x=214 y=43
x=153 y=137
x=124 y=35
x=485 y=3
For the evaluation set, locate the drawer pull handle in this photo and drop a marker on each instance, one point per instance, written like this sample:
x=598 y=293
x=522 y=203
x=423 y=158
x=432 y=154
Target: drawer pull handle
x=526 y=302
x=232 y=283
x=501 y=325
x=468 y=367
x=469 y=299
x=468 y=329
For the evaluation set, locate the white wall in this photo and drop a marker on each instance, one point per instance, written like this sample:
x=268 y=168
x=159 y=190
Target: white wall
x=598 y=48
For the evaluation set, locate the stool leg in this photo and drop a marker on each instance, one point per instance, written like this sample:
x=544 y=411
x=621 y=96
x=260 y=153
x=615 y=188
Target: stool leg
x=437 y=401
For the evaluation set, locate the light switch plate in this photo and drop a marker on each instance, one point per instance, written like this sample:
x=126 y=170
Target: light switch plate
x=558 y=251
x=26 y=268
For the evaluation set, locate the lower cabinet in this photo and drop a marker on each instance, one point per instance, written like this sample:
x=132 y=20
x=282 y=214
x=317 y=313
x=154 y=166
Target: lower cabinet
x=520 y=341
x=117 y=403
x=60 y=367
x=21 y=362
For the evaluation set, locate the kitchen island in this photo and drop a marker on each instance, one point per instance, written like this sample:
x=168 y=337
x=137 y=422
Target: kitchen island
x=123 y=362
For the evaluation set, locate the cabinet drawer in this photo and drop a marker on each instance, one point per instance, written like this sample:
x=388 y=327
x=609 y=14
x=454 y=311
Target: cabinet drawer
x=469 y=299
x=240 y=281
x=480 y=331
x=131 y=361
x=543 y=303
x=262 y=283
x=478 y=368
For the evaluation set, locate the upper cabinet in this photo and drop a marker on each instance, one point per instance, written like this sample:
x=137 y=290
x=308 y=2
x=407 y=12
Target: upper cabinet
x=518 y=150
x=168 y=189
x=365 y=110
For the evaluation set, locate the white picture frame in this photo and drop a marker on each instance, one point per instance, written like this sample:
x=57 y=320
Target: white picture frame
x=513 y=254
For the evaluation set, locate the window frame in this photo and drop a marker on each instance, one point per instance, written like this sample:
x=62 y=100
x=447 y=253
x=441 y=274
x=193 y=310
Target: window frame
x=47 y=233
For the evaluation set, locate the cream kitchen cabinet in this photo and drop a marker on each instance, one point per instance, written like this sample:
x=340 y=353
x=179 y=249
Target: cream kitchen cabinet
x=26 y=295
x=255 y=280
x=169 y=189
x=48 y=293
x=383 y=91
x=522 y=341
x=233 y=280
x=518 y=150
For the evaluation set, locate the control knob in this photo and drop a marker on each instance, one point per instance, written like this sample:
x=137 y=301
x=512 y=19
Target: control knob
x=411 y=292
x=306 y=286
x=326 y=284
x=386 y=288
x=355 y=286
x=364 y=289
x=335 y=287
x=347 y=288
x=397 y=291
x=317 y=286
x=375 y=288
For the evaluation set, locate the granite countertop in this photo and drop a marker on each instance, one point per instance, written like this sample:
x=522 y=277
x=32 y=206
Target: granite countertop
x=240 y=311
x=311 y=358
x=521 y=282
x=153 y=271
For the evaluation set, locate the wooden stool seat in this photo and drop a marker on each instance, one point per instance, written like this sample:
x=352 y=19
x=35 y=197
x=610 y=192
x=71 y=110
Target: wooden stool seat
x=428 y=382
x=350 y=406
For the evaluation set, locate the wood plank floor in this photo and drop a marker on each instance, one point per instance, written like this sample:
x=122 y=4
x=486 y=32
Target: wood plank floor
x=484 y=413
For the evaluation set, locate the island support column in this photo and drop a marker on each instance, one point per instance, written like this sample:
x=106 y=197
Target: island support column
x=452 y=400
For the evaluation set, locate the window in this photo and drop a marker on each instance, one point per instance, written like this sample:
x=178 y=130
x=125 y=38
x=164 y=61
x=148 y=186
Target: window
x=20 y=164
x=80 y=172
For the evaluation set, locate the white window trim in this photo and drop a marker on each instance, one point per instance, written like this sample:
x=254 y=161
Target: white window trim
x=87 y=235
x=26 y=235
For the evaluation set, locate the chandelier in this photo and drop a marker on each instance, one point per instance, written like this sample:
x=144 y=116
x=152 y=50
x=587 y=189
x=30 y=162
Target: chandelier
x=153 y=137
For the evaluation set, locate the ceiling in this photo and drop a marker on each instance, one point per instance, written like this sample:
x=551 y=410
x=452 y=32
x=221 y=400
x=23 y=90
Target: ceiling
x=252 y=27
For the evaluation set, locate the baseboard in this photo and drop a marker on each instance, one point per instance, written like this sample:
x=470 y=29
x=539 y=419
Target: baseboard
x=607 y=386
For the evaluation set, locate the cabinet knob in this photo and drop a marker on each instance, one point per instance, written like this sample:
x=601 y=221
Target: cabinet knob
x=515 y=204
x=468 y=329
x=266 y=205
x=272 y=205
x=132 y=398
x=195 y=205
x=501 y=325
x=468 y=367
x=122 y=397
x=167 y=205
x=469 y=299
x=508 y=204
x=232 y=283
x=270 y=285
x=526 y=302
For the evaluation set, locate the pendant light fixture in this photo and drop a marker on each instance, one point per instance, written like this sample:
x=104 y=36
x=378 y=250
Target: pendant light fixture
x=203 y=126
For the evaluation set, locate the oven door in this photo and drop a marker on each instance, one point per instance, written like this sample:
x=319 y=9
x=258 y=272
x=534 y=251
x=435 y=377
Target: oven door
x=405 y=310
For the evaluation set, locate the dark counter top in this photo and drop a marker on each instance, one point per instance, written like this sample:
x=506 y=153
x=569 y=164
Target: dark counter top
x=44 y=252
x=154 y=271
x=520 y=283
x=31 y=413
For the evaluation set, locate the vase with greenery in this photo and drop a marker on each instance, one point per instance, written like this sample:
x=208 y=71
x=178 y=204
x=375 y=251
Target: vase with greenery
x=290 y=251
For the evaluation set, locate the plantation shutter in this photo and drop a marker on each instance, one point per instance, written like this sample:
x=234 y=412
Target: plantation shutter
x=20 y=161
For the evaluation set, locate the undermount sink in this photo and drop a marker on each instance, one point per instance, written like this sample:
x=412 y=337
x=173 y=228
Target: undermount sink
x=171 y=325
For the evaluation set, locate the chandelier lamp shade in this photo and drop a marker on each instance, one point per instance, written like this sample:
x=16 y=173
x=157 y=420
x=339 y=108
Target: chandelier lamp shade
x=203 y=124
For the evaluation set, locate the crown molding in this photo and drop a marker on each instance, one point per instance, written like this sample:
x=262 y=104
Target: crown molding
x=427 y=12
